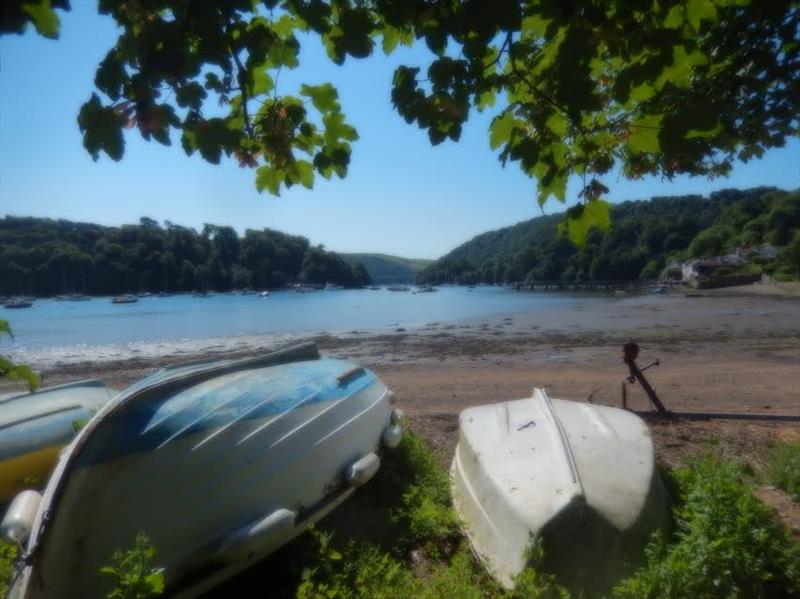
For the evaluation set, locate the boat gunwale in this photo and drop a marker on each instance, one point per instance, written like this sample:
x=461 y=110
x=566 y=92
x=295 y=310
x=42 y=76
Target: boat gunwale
x=91 y=383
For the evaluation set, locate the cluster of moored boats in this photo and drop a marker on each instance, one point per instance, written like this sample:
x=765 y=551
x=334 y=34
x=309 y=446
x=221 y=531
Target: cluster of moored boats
x=273 y=443
x=132 y=298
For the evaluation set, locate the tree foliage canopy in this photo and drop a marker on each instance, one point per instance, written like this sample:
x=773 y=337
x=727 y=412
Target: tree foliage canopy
x=654 y=87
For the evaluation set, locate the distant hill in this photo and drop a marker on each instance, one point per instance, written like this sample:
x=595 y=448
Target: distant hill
x=384 y=269
x=42 y=256
x=644 y=237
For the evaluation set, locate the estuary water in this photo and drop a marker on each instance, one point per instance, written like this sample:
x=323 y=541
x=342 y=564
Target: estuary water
x=87 y=329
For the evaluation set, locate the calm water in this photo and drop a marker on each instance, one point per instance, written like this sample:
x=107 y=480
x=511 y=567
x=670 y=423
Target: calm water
x=98 y=322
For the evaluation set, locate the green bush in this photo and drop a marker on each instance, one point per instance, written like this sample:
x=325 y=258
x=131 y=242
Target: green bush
x=133 y=572
x=416 y=491
x=784 y=468
x=726 y=543
x=8 y=555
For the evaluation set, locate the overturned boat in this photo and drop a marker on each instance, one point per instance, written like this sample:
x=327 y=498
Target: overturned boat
x=577 y=479
x=35 y=426
x=218 y=463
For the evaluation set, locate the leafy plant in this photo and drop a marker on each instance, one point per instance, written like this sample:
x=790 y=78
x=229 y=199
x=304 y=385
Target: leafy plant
x=726 y=543
x=16 y=372
x=133 y=572
x=8 y=557
x=424 y=514
x=784 y=468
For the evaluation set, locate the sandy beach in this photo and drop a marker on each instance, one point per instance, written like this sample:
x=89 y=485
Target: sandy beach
x=733 y=352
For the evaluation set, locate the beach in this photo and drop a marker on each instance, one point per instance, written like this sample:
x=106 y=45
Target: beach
x=734 y=352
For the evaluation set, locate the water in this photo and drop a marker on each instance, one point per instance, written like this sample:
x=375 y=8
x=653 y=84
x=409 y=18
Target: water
x=98 y=323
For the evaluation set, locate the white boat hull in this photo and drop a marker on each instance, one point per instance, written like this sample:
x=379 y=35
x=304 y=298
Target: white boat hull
x=580 y=479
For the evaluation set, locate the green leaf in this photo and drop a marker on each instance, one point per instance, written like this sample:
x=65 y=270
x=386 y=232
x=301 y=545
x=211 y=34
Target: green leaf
x=110 y=76
x=304 y=173
x=324 y=97
x=102 y=129
x=43 y=16
x=680 y=72
x=644 y=134
x=391 y=37
x=558 y=124
x=285 y=26
x=485 y=100
x=269 y=178
x=262 y=81
x=5 y=328
x=336 y=128
x=535 y=25
x=697 y=10
x=674 y=18
x=560 y=152
x=584 y=217
x=551 y=183
x=705 y=133
x=642 y=93
x=500 y=129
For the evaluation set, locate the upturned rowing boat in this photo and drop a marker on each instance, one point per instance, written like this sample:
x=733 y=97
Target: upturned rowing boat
x=577 y=478
x=219 y=463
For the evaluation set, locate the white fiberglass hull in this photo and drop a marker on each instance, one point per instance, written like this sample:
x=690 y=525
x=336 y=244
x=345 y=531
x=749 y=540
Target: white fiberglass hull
x=580 y=479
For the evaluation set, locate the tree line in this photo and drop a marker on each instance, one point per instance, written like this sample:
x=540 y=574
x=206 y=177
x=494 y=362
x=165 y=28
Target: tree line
x=644 y=238
x=45 y=257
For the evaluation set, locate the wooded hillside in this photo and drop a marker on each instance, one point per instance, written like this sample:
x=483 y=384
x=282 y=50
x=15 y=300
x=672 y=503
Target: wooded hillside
x=46 y=257
x=644 y=237
x=384 y=269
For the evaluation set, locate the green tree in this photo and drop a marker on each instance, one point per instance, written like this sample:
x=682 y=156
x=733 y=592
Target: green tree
x=663 y=87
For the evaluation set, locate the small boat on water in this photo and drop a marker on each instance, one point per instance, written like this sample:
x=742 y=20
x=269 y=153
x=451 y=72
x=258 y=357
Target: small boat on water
x=18 y=302
x=578 y=478
x=124 y=299
x=34 y=427
x=398 y=288
x=264 y=294
x=219 y=463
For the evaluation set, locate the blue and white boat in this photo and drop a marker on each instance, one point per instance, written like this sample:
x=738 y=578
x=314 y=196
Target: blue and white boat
x=219 y=463
x=35 y=426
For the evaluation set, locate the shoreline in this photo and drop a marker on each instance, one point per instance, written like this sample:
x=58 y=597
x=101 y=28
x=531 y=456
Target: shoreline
x=663 y=319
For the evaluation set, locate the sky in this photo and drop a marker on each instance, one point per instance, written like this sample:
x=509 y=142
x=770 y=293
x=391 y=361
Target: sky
x=402 y=196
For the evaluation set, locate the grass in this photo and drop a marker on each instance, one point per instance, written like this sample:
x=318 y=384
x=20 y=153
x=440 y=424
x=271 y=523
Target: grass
x=398 y=537
x=783 y=468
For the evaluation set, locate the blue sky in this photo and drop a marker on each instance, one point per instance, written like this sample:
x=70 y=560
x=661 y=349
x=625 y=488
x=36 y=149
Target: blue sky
x=402 y=196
